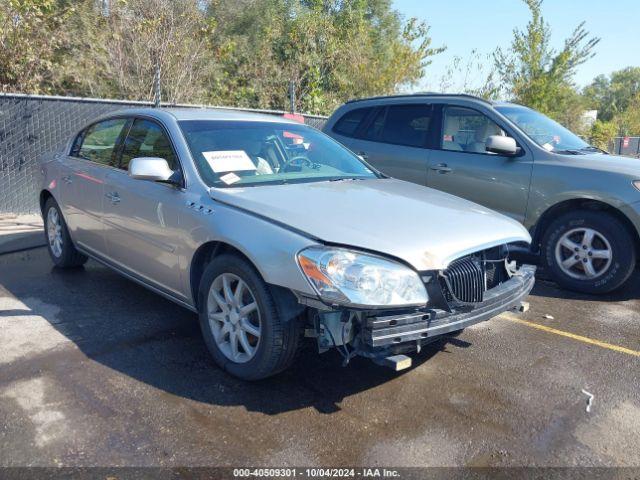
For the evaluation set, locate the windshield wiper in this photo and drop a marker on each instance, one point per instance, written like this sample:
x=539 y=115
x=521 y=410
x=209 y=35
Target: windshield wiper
x=569 y=152
x=591 y=148
x=340 y=179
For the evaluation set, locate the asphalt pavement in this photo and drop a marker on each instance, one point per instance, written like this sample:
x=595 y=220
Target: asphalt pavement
x=98 y=371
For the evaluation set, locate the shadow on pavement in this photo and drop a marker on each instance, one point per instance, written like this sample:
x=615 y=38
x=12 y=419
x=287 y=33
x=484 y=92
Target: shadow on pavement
x=546 y=287
x=630 y=291
x=135 y=332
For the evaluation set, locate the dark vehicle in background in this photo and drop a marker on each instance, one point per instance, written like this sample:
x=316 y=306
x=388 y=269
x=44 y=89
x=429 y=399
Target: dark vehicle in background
x=581 y=205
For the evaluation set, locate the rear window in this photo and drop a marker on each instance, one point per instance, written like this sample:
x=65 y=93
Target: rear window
x=349 y=123
x=99 y=141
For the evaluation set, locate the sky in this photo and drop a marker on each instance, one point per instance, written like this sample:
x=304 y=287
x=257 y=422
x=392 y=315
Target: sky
x=464 y=25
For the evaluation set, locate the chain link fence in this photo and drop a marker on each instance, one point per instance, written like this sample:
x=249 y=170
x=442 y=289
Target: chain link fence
x=629 y=146
x=31 y=125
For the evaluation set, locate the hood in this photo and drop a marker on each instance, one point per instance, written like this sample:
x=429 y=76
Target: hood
x=606 y=163
x=424 y=227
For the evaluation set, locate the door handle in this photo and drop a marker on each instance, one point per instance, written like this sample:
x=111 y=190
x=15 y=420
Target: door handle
x=67 y=179
x=114 y=197
x=441 y=168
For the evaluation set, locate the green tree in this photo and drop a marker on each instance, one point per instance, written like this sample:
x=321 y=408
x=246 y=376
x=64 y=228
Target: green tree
x=228 y=52
x=535 y=74
x=602 y=134
x=141 y=35
x=473 y=75
x=32 y=42
x=332 y=49
x=628 y=121
x=612 y=95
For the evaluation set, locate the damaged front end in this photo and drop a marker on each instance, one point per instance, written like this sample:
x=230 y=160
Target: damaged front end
x=470 y=290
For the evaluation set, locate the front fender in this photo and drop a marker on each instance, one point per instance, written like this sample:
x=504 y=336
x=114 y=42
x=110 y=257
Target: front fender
x=271 y=248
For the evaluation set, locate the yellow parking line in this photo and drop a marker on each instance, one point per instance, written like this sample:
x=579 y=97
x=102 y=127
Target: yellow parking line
x=580 y=338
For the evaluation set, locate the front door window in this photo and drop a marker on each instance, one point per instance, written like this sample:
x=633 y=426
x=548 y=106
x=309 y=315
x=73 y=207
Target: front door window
x=147 y=139
x=467 y=130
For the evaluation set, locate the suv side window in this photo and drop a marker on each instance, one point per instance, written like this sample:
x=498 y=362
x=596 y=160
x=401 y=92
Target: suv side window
x=401 y=125
x=467 y=130
x=99 y=141
x=374 y=129
x=349 y=123
x=147 y=139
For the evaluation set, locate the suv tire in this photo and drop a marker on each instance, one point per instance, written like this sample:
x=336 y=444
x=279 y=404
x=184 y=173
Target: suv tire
x=574 y=250
x=59 y=245
x=224 y=323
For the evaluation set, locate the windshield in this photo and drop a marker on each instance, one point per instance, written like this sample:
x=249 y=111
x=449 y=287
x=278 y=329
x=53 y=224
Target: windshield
x=547 y=133
x=234 y=154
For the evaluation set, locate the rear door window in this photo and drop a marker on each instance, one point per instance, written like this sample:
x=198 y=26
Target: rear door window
x=348 y=125
x=100 y=140
x=407 y=125
x=147 y=139
x=374 y=129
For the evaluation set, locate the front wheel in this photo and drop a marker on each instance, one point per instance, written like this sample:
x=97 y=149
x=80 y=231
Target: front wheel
x=240 y=321
x=589 y=251
x=61 y=249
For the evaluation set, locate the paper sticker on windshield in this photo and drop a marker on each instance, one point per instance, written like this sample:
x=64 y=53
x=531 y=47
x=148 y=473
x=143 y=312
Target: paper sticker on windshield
x=230 y=178
x=229 y=161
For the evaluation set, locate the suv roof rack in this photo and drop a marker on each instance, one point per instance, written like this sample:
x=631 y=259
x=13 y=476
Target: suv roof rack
x=422 y=94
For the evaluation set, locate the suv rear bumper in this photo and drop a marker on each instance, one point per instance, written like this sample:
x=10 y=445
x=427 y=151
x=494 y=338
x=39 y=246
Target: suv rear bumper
x=394 y=330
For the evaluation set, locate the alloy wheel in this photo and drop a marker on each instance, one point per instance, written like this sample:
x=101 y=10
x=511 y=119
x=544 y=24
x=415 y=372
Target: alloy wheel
x=54 y=232
x=583 y=253
x=234 y=318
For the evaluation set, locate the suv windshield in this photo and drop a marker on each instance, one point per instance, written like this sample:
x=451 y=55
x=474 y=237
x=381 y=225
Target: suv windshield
x=234 y=154
x=547 y=133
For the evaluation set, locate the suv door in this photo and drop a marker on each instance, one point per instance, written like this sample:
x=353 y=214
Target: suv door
x=92 y=156
x=462 y=166
x=141 y=217
x=394 y=139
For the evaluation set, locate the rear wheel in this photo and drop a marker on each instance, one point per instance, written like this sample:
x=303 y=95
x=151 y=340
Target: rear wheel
x=240 y=322
x=61 y=249
x=589 y=251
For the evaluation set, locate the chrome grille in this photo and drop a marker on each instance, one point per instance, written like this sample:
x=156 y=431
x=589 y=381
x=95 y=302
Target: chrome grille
x=465 y=279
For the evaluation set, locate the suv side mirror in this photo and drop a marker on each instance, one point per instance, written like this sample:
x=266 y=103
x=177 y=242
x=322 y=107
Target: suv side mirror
x=502 y=145
x=150 y=168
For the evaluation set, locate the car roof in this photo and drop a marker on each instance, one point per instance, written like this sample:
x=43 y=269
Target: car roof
x=428 y=95
x=197 y=113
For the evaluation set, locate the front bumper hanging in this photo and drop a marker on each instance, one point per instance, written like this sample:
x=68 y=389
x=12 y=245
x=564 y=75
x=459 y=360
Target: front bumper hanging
x=381 y=331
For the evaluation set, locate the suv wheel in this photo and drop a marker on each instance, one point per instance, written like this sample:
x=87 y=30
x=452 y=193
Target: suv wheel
x=59 y=244
x=589 y=251
x=240 y=322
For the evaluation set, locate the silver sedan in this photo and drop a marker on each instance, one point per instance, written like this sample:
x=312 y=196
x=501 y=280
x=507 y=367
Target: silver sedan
x=275 y=234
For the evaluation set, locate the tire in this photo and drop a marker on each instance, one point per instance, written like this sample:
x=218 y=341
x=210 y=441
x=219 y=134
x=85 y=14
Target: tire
x=569 y=232
x=278 y=342
x=63 y=254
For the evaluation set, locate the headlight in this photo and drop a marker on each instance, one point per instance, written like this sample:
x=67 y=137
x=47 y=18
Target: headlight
x=636 y=183
x=346 y=277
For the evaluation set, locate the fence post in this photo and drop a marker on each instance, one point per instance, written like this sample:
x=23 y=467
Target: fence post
x=292 y=96
x=156 y=87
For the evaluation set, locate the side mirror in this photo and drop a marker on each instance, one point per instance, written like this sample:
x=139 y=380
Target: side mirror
x=150 y=168
x=502 y=145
